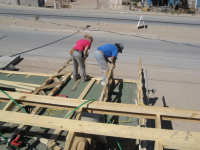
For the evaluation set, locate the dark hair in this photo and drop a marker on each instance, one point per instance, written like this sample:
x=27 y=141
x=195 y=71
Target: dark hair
x=119 y=46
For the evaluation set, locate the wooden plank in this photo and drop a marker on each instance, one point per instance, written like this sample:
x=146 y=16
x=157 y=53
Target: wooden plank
x=5 y=83
x=87 y=88
x=158 y=146
x=106 y=86
x=19 y=83
x=56 y=88
x=8 y=106
x=165 y=112
x=158 y=121
x=49 y=86
x=25 y=73
x=170 y=138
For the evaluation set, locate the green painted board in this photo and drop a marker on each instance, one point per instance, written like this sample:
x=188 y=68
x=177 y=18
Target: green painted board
x=124 y=93
x=2 y=105
x=67 y=90
x=95 y=92
x=23 y=78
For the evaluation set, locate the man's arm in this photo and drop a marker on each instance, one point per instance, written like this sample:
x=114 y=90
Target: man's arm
x=113 y=60
x=86 y=51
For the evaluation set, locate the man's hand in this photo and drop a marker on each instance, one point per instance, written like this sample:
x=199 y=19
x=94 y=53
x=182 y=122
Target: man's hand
x=71 y=51
x=86 y=55
x=108 y=60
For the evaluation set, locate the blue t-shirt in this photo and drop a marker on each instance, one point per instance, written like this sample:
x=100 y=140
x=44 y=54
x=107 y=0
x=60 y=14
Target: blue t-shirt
x=109 y=50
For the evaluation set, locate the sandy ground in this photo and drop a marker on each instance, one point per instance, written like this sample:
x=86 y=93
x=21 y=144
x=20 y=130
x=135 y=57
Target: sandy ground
x=179 y=87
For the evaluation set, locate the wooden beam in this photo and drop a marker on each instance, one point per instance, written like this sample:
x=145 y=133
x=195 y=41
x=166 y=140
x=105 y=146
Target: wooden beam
x=105 y=107
x=7 y=84
x=57 y=87
x=49 y=86
x=25 y=73
x=8 y=106
x=87 y=88
x=105 y=89
x=158 y=121
x=170 y=138
x=19 y=83
x=158 y=145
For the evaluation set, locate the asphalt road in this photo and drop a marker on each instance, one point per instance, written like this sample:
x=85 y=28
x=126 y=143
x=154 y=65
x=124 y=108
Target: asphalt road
x=56 y=45
x=91 y=15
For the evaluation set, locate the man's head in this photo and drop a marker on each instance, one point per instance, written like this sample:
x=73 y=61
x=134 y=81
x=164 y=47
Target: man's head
x=120 y=47
x=89 y=37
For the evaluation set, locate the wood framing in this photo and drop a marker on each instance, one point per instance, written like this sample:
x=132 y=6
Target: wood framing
x=170 y=138
x=163 y=138
x=107 y=107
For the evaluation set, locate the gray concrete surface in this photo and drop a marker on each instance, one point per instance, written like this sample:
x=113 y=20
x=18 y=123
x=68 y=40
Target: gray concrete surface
x=92 y=15
x=153 y=52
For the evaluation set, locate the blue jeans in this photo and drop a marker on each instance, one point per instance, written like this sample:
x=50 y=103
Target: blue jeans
x=102 y=63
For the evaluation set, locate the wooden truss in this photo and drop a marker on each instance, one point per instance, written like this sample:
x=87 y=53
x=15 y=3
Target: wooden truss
x=163 y=138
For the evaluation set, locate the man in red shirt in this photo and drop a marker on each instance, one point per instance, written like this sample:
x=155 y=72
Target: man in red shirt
x=79 y=53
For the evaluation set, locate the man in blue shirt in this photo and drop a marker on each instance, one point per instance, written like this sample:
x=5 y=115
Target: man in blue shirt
x=103 y=53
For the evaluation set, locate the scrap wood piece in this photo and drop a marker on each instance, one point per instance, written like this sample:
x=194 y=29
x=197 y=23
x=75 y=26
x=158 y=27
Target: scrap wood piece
x=170 y=138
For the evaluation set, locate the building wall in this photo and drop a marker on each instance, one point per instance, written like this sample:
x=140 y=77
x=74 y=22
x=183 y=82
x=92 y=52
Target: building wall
x=10 y=2
x=112 y=4
x=33 y=3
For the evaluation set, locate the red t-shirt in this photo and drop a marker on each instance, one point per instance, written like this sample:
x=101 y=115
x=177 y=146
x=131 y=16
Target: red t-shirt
x=81 y=44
